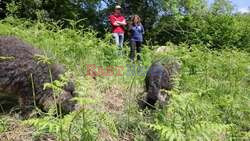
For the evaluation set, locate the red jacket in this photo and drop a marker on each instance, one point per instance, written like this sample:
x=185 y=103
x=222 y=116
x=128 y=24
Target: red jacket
x=112 y=19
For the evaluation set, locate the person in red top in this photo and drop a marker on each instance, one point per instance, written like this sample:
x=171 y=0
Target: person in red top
x=118 y=23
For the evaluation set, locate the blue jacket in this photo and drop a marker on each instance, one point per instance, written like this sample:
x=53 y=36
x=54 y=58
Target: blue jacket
x=137 y=32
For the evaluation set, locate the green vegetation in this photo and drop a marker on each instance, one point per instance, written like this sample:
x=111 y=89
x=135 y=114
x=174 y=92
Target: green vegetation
x=211 y=100
x=216 y=25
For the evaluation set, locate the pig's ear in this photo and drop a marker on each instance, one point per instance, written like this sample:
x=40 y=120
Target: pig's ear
x=56 y=71
x=70 y=87
x=48 y=103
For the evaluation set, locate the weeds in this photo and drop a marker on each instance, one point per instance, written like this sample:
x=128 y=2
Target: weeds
x=210 y=100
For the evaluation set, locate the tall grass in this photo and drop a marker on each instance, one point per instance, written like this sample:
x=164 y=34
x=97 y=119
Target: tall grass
x=210 y=100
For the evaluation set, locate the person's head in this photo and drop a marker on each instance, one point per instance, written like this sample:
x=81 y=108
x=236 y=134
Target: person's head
x=118 y=9
x=136 y=19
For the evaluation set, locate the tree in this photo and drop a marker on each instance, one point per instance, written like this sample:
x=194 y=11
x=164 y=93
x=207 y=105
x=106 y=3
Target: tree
x=3 y=10
x=222 y=7
x=178 y=20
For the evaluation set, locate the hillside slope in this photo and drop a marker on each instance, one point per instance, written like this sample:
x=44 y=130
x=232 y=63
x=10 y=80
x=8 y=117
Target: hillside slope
x=210 y=101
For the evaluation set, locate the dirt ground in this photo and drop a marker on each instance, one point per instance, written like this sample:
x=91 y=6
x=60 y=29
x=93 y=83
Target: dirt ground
x=112 y=100
x=16 y=131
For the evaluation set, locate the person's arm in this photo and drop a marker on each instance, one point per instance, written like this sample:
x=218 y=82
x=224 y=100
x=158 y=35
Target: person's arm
x=143 y=31
x=116 y=24
x=122 y=23
x=113 y=21
x=130 y=27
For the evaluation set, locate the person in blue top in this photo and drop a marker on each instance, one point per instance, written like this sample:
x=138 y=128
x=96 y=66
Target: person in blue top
x=136 y=31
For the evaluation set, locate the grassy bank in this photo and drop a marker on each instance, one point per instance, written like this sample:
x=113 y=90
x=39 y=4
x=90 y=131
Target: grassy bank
x=210 y=100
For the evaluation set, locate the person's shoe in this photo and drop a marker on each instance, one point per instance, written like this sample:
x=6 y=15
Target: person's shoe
x=139 y=62
x=139 y=57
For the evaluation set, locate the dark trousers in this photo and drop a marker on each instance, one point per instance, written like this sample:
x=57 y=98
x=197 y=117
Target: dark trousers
x=135 y=48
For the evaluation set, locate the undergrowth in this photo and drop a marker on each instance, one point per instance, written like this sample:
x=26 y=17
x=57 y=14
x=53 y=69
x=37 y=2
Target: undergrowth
x=210 y=100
